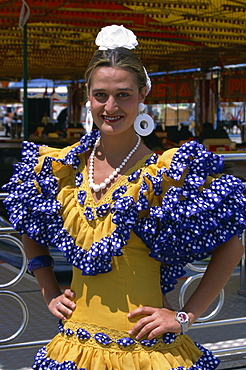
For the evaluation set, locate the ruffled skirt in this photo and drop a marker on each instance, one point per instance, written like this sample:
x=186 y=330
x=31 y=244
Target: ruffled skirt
x=89 y=347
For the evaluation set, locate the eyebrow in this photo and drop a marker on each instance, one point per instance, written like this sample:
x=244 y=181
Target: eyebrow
x=122 y=89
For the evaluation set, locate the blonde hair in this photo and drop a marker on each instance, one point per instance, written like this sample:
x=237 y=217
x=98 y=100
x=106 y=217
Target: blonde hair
x=117 y=58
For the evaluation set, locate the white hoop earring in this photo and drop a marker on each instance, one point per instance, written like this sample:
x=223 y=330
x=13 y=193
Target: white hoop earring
x=143 y=124
x=89 y=119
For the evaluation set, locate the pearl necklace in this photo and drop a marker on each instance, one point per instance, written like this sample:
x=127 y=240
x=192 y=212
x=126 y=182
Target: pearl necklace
x=115 y=173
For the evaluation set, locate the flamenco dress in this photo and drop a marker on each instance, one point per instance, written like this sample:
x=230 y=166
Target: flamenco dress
x=127 y=249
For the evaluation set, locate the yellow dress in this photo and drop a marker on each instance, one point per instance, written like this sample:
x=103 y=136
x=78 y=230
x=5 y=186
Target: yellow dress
x=127 y=249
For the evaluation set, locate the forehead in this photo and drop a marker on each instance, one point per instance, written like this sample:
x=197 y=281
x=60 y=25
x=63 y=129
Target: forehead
x=111 y=76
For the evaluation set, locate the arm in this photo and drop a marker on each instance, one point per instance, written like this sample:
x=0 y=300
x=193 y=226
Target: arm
x=222 y=264
x=48 y=284
x=158 y=321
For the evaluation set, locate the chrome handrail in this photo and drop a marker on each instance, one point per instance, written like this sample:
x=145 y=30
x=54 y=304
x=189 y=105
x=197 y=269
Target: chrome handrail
x=234 y=156
x=11 y=283
x=25 y=314
x=242 y=290
x=236 y=320
x=182 y=298
x=22 y=272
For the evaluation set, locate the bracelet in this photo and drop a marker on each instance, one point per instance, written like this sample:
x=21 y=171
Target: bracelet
x=39 y=262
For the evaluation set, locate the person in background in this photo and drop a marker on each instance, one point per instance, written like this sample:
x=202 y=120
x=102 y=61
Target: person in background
x=7 y=124
x=208 y=132
x=14 y=125
x=220 y=132
x=173 y=134
x=19 y=126
x=45 y=120
x=128 y=220
x=184 y=133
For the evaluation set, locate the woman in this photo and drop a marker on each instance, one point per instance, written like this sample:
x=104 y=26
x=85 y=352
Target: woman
x=128 y=221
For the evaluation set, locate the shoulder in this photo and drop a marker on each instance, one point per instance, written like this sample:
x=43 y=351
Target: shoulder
x=193 y=155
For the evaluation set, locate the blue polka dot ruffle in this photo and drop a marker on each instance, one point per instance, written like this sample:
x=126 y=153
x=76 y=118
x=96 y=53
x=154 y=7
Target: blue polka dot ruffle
x=186 y=226
x=41 y=362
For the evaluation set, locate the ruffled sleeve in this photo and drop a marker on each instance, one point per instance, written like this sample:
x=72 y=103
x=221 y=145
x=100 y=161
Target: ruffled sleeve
x=37 y=205
x=194 y=209
x=31 y=202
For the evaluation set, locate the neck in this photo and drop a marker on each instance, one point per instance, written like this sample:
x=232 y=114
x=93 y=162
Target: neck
x=117 y=168
x=117 y=144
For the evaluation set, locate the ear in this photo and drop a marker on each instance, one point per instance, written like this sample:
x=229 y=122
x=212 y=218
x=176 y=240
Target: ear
x=142 y=94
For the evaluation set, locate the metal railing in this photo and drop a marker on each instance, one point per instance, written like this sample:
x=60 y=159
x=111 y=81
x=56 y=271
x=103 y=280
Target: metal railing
x=11 y=283
x=202 y=322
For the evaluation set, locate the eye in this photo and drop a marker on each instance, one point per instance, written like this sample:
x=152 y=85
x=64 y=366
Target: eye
x=123 y=95
x=99 y=95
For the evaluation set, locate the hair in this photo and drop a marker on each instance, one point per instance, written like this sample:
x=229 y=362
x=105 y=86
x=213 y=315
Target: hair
x=121 y=58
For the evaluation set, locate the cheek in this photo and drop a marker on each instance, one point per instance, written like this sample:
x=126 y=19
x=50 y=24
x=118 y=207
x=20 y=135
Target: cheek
x=135 y=110
x=95 y=106
x=132 y=106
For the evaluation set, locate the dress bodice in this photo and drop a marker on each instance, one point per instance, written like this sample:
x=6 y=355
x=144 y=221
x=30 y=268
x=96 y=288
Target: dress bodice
x=134 y=281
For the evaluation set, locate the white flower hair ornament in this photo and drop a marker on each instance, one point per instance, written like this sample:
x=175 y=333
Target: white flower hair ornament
x=112 y=37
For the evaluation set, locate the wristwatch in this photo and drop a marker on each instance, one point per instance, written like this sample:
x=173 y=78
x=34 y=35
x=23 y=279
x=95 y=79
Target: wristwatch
x=183 y=318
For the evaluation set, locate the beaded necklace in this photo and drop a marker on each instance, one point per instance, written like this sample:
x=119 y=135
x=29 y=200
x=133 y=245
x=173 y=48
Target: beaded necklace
x=107 y=180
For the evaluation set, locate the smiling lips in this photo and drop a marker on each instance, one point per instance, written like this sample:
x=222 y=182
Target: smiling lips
x=110 y=119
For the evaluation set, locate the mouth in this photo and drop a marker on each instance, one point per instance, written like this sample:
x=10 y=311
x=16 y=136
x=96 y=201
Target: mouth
x=111 y=119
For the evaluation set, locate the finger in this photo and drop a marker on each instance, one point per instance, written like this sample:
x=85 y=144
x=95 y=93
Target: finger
x=63 y=309
x=146 y=329
x=141 y=311
x=155 y=332
x=152 y=329
x=59 y=315
x=69 y=293
x=140 y=324
x=68 y=303
x=57 y=312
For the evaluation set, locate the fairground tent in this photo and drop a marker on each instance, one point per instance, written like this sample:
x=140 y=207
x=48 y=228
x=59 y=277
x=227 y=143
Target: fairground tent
x=172 y=34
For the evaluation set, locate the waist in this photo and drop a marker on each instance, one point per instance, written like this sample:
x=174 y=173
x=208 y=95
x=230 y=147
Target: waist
x=134 y=281
x=101 y=335
x=110 y=297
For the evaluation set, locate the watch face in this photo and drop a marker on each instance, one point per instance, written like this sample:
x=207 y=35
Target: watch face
x=182 y=317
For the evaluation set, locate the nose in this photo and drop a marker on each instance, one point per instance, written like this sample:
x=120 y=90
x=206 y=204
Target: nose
x=110 y=105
